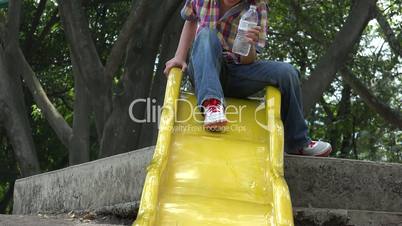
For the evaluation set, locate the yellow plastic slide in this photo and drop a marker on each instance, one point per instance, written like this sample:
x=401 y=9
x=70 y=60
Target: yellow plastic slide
x=232 y=178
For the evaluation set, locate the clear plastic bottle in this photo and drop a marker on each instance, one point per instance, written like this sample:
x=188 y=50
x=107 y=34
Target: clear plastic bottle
x=248 y=20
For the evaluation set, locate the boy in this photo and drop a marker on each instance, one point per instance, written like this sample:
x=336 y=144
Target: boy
x=213 y=24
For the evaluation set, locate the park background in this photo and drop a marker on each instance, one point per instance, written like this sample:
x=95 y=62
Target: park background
x=70 y=69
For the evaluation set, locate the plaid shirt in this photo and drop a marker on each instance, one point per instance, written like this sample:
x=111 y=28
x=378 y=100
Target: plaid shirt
x=206 y=13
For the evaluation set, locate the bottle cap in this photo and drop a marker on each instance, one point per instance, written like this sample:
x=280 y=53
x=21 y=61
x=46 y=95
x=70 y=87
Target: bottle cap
x=253 y=7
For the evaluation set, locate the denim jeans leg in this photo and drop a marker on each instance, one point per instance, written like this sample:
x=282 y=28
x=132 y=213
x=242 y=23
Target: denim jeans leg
x=246 y=80
x=205 y=65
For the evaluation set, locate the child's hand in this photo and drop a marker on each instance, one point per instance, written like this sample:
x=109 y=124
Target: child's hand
x=175 y=62
x=253 y=35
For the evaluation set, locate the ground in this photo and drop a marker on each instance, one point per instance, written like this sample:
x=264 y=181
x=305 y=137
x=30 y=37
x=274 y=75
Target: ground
x=68 y=219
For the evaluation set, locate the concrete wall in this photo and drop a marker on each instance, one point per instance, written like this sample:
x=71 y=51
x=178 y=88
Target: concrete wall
x=313 y=182
x=344 y=184
x=340 y=217
x=105 y=182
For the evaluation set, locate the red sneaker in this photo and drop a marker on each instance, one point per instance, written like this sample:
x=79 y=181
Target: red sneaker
x=214 y=113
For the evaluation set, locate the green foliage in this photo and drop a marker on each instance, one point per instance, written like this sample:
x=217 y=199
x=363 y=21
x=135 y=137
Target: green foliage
x=302 y=38
x=8 y=171
x=48 y=54
x=3 y=4
x=297 y=35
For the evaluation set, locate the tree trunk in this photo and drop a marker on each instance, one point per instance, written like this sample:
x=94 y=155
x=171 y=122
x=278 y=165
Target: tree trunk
x=13 y=112
x=79 y=144
x=170 y=41
x=15 y=120
x=344 y=115
x=7 y=197
x=337 y=53
x=115 y=58
x=90 y=67
x=17 y=65
x=122 y=133
x=330 y=120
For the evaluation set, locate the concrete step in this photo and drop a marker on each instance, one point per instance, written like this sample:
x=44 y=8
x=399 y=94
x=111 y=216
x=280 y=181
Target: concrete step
x=344 y=184
x=342 y=217
x=324 y=183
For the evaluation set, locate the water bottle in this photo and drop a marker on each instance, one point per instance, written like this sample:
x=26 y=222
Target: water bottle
x=249 y=20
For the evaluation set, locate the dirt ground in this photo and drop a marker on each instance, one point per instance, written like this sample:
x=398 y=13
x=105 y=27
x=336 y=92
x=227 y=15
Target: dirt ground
x=61 y=220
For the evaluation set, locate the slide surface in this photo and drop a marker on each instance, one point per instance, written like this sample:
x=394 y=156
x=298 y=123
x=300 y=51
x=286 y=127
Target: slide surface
x=232 y=178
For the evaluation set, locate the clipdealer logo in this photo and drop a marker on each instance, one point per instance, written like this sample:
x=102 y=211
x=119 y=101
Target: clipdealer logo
x=153 y=112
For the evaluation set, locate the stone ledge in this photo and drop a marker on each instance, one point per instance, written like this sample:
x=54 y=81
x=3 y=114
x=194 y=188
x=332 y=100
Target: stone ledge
x=313 y=182
x=344 y=184
x=93 y=185
x=341 y=217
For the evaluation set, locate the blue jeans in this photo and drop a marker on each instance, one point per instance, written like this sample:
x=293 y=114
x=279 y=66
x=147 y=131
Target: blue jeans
x=207 y=62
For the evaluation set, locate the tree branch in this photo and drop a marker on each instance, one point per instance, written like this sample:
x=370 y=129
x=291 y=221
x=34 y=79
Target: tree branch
x=35 y=23
x=55 y=119
x=119 y=48
x=337 y=53
x=302 y=19
x=53 y=20
x=388 y=114
x=389 y=34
